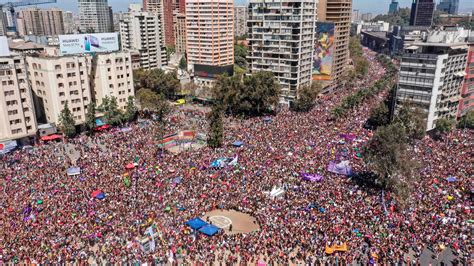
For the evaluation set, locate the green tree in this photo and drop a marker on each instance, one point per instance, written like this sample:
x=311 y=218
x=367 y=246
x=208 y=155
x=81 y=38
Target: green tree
x=66 y=121
x=130 y=110
x=183 y=64
x=112 y=114
x=157 y=80
x=156 y=103
x=467 y=121
x=401 y=17
x=379 y=116
x=444 y=125
x=387 y=155
x=215 y=135
x=413 y=120
x=240 y=55
x=169 y=51
x=307 y=97
x=90 y=117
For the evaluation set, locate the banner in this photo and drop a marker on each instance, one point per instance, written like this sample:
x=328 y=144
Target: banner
x=88 y=43
x=342 y=168
x=312 y=177
x=323 y=51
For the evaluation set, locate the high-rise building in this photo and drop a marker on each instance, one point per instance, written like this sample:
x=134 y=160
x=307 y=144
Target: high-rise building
x=393 y=8
x=152 y=5
x=466 y=103
x=366 y=16
x=3 y=25
x=209 y=38
x=111 y=20
x=111 y=75
x=431 y=74
x=41 y=22
x=94 y=16
x=355 y=15
x=449 y=6
x=69 y=25
x=57 y=80
x=141 y=31
x=422 y=12
x=17 y=117
x=283 y=46
x=240 y=20
x=169 y=7
x=180 y=33
x=338 y=12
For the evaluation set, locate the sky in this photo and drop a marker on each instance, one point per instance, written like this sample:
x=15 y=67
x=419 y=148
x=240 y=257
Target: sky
x=364 y=6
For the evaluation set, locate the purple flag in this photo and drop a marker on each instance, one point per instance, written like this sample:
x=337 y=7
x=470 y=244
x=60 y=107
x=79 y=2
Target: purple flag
x=342 y=168
x=312 y=177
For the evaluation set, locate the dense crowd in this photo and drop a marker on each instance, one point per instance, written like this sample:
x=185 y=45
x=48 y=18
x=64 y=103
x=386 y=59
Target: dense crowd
x=47 y=216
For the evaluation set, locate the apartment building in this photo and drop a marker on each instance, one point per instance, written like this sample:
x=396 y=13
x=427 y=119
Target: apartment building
x=111 y=75
x=180 y=33
x=55 y=80
x=466 y=103
x=3 y=26
x=281 y=40
x=209 y=39
x=17 y=114
x=94 y=15
x=69 y=25
x=338 y=12
x=142 y=32
x=432 y=72
x=40 y=22
x=240 y=20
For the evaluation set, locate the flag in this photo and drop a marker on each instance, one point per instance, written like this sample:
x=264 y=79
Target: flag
x=235 y=160
x=126 y=181
x=149 y=231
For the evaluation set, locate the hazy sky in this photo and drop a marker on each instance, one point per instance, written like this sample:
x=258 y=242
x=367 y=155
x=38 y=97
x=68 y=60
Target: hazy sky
x=373 y=6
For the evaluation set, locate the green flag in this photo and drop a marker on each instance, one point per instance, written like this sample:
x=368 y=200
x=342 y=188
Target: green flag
x=126 y=181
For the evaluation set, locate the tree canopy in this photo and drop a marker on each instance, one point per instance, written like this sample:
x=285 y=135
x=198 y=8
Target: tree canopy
x=158 y=81
x=307 y=96
x=249 y=95
x=90 y=117
x=156 y=103
x=467 y=121
x=112 y=114
x=130 y=110
x=413 y=120
x=66 y=121
x=401 y=17
x=215 y=135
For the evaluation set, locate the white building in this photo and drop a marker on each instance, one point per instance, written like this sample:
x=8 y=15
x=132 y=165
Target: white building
x=69 y=25
x=112 y=76
x=432 y=72
x=240 y=20
x=94 y=16
x=283 y=46
x=17 y=116
x=141 y=31
x=55 y=80
x=371 y=26
x=209 y=39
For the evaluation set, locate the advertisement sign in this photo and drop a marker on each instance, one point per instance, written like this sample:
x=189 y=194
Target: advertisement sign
x=4 y=50
x=323 y=51
x=88 y=43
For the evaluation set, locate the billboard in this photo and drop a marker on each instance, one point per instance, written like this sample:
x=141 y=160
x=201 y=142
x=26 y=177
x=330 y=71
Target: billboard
x=323 y=51
x=4 y=50
x=88 y=43
x=206 y=71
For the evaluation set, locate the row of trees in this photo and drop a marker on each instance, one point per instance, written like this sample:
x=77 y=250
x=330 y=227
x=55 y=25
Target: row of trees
x=361 y=65
x=112 y=115
x=158 y=81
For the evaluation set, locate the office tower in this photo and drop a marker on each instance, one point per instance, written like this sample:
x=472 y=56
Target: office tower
x=431 y=74
x=40 y=22
x=449 y=6
x=3 y=26
x=17 y=117
x=94 y=16
x=111 y=19
x=393 y=8
x=240 y=20
x=111 y=75
x=141 y=31
x=168 y=14
x=69 y=25
x=422 y=12
x=209 y=38
x=355 y=15
x=283 y=47
x=466 y=103
x=338 y=12
x=180 y=33
x=55 y=80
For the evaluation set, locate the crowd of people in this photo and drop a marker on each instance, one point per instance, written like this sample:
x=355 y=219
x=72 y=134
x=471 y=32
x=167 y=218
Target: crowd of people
x=48 y=216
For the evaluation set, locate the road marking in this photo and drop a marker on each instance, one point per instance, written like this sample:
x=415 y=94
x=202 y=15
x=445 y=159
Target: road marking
x=220 y=221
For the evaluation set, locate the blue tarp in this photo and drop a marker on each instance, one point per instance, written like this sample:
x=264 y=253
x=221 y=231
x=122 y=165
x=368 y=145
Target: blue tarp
x=451 y=179
x=196 y=223
x=219 y=163
x=267 y=119
x=209 y=230
x=238 y=144
x=7 y=146
x=98 y=122
x=100 y=196
x=73 y=170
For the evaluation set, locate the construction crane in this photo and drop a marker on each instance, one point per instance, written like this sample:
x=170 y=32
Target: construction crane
x=10 y=7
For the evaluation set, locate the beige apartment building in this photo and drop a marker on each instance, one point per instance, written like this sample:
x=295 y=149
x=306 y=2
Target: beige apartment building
x=55 y=80
x=209 y=39
x=180 y=33
x=112 y=76
x=339 y=12
x=40 y=22
x=240 y=20
x=17 y=116
x=142 y=32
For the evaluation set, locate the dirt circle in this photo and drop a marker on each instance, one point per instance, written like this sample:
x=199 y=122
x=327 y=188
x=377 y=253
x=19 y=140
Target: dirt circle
x=242 y=223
